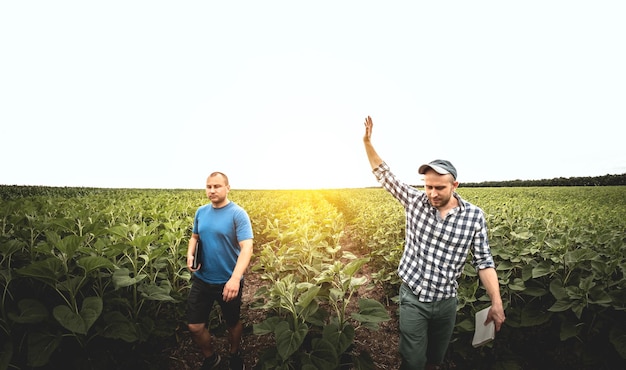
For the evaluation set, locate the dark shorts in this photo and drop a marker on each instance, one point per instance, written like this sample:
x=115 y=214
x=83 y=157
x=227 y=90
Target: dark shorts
x=200 y=302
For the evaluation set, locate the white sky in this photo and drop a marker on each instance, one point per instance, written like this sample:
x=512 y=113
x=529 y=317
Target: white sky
x=157 y=94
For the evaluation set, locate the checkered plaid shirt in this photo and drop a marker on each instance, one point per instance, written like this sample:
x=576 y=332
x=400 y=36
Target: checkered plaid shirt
x=435 y=249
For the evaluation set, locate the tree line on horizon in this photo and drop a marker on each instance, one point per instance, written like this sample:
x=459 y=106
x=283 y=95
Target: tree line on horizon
x=21 y=191
x=606 y=180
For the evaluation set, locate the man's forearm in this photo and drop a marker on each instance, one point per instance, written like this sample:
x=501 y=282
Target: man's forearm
x=243 y=261
x=191 y=248
x=372 y=156
x=489 y=278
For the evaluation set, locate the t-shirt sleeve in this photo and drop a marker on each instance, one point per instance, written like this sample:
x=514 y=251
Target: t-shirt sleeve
x=195 y=223
x=243 y=226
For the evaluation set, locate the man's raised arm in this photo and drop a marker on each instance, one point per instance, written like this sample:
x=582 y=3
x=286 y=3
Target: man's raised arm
x=372 y=156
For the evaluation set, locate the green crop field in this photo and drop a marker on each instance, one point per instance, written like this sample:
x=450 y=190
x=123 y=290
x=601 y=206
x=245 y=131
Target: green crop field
x=83 y=270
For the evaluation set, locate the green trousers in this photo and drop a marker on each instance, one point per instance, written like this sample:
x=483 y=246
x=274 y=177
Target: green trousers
x=425 y=329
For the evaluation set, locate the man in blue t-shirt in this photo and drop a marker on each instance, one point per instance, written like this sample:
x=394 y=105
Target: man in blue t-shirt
x=223 y=231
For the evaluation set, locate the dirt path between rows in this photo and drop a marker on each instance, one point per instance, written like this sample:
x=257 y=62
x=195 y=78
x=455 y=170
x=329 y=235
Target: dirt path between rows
x=382 y=345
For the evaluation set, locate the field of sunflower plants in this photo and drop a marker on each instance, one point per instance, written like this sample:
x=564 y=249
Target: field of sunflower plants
x=90 y=278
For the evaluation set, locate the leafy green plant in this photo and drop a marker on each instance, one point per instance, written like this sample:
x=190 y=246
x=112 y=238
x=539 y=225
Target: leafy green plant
x=73 y=274
x=306 y=334
x=559 y=255
x=310 y=290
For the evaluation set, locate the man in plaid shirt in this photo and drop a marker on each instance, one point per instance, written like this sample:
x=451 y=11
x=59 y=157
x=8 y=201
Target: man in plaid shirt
x=441 y=229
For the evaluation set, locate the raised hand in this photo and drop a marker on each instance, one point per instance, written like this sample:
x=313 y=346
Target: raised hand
x=372 y=156
x=368 y=128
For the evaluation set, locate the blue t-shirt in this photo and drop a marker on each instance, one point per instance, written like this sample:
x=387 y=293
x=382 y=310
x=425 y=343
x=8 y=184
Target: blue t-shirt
x=220 y=231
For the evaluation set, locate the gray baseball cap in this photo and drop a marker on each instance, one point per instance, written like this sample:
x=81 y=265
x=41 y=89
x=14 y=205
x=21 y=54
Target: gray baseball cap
x=441 y=166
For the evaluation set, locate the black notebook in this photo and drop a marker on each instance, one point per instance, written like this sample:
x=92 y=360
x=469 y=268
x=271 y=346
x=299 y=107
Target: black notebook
x=196 y=255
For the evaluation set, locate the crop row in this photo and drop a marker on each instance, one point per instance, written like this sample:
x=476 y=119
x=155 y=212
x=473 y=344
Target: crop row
x=561 y=262
x=106 y=269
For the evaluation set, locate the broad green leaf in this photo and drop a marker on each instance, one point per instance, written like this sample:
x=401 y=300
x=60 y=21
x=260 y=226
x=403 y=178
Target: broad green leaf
x=154 y=292
x=466 y=325
x=578 y=308
x=574 y=292
x=336 y=294
x=119 y=327
x=288 y=341
x=52 y=239
x=11 y=246
x=69 y=244
x=142 y=242
x=340 y=339
x=117 y=249
x=602 y=267
x=145 y=327
x=267 y=326
x=119 y=230
x=308 y=296
x=69 y=319
x=353 y=266
x=313 y=314
x=40 y=346
x=599 y=296
x=91 y=263
x=534 y=291
x=121 y=278
x=65 y=224
x=48 y=271
x=31 y=311
x=527 y=272
x=542 y=269
x=324 y=355
x=523 y=235
x=578 y=256
x=269 y=359
x=557 y=289
x=82 y=321
x=517 y=285
x=469 y=270
x=355 y=283
x=71 y=284
x=284 y=287
x=561 y=305
x=504 y=265
x=586 y=283
x=371 y=311
x=532 y=316
x=91 y=310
